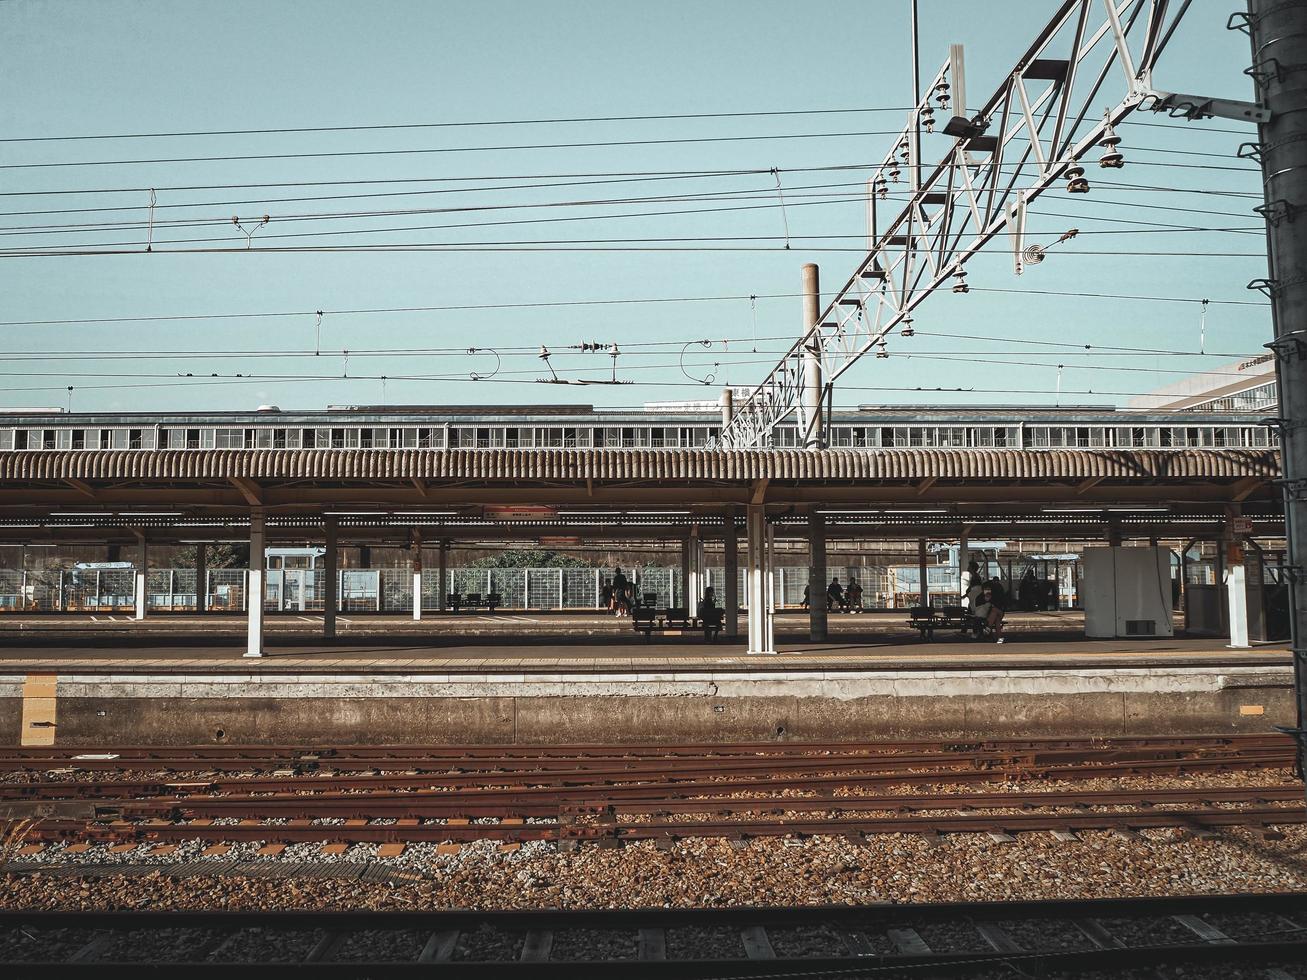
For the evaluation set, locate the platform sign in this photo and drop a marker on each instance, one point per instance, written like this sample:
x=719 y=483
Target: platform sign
x=1241 y=525
x=518 y=512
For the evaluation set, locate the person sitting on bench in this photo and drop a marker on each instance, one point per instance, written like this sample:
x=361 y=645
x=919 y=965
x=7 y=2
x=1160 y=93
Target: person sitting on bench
x=710 y=614
x=853 y=596
x=835 y=596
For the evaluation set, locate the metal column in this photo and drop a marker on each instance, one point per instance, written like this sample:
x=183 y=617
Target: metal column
x=810 y=432
x=922 y=571
x=964 y=554
x=254 y=584
x=817 y=577
x=417 y=577
x=442 y=574
x=142 y=576
x=1236 y=594
x=731 y=587
x=685 y=573
x=1279 y=54
x=330 y=569
x=761 y=636
x=201 y=578
x=693 y=562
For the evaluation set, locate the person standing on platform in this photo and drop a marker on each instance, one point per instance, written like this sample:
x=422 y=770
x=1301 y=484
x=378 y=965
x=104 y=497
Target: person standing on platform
x=619 y=592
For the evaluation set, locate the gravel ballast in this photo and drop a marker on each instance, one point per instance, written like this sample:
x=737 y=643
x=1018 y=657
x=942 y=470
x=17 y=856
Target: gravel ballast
x=900 y=868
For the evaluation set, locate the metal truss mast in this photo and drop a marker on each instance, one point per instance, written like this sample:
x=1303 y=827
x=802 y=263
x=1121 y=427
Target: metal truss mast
x=1004 y=155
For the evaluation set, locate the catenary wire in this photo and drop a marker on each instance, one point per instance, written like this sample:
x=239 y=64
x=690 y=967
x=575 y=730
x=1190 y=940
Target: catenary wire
x=643 y=300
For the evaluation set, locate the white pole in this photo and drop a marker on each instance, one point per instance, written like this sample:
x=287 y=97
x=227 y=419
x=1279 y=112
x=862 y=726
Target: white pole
x=1237 y=596
x=254 y=585
x=142 y=569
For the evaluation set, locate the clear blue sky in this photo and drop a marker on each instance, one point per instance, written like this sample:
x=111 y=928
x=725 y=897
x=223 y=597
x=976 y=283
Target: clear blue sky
x=113 y=66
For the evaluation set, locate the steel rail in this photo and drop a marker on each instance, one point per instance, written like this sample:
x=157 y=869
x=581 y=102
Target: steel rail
x=126 y=753
x=683 y=766
x=511 y=805
x=303 y=831
x=655 y=930
x=579 y=789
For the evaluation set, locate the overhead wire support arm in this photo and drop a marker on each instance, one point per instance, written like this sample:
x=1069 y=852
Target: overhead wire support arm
x=1021 y=141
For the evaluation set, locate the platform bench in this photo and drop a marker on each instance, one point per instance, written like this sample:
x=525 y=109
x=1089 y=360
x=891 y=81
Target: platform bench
x=474 y=600
x=926 y=620
x=648 y=621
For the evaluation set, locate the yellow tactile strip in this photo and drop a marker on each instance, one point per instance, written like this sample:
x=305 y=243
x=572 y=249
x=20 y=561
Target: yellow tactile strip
x=40 y=700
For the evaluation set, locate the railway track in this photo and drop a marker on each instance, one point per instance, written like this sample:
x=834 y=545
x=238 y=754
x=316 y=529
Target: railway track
x=1261 y=935
x=365 y=757
x=608 y=795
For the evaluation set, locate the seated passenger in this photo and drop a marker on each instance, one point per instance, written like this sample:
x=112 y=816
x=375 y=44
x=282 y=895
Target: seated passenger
x=992 y=607
x=835 y=596
x=853 y=596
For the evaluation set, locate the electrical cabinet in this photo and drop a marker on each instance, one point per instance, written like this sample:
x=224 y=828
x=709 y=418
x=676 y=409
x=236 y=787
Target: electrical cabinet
x=1127 y=592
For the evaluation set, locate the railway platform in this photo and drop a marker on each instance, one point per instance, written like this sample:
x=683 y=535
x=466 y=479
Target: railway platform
x=542 y=679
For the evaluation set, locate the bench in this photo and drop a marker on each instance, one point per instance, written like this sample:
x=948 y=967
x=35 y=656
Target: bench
x=474 y=600
x=926 y=620
x=648 y=621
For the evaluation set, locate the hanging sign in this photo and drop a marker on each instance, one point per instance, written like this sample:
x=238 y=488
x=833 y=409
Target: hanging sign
x=518 y=512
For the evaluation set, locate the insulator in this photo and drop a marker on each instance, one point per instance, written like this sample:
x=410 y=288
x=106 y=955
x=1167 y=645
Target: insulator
x=894 y=173
x=927 y=117
x=907 y=330
x=942 y=94
x=1112 y=157
x=1076 y=182
x=882 y=190
x=882 y=351
x=960 y=281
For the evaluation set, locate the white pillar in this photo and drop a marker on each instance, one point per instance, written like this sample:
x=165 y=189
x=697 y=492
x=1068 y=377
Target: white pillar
x=330 y=570
x=694 y=583
x=142 y=571
x=1236 y=590
x=759 y=581
x=417 y=579
x=685 y=575
x=963 y=555
x=442 y=574
x=201 y=577
x=254 y=585
x=769 y=549
x=731 y=587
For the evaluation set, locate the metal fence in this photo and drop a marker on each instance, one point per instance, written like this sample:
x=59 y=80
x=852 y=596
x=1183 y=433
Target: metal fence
x=390 y=590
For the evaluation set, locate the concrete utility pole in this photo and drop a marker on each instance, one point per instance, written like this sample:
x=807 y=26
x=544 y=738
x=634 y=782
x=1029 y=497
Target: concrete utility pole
x=810 y=435
x=1279 y=68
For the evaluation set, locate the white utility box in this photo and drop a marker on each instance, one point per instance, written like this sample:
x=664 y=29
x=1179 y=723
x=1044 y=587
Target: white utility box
x=1126 y=592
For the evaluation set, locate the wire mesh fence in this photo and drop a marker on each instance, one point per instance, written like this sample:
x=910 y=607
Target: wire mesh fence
x=390 y=590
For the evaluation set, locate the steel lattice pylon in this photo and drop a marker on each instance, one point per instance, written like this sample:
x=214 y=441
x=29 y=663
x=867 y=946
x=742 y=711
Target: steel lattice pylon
x=1003 y=156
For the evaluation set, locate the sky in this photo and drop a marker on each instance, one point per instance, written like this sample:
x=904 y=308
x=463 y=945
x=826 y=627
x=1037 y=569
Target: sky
x=79 y=68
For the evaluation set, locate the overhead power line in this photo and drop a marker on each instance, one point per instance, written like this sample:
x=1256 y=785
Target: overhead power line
x=578 y=303
x=556 y=120
x=422 y=151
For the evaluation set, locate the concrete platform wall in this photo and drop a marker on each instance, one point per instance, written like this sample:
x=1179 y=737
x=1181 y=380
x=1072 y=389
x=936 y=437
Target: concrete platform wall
x=172 y=709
